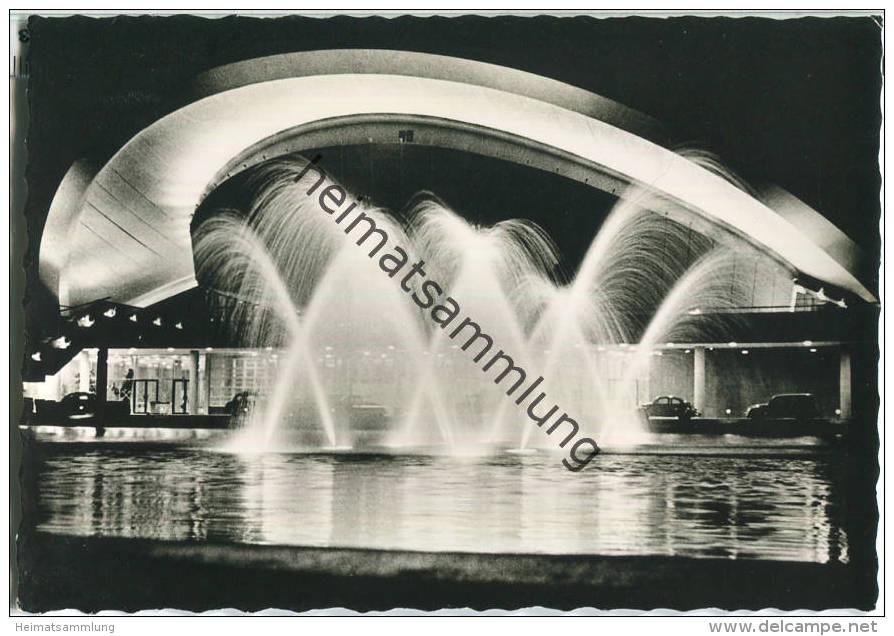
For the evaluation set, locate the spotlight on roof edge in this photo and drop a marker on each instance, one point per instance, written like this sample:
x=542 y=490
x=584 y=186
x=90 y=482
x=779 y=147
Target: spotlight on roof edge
x=36 y=356
x=133 y=318
x=61 y=342
x=85 y=321
x=179 y=325
x=157 y=322
x=110 y=313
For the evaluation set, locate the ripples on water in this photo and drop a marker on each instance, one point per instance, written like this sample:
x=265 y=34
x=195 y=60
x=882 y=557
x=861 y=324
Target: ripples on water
x=690 y=505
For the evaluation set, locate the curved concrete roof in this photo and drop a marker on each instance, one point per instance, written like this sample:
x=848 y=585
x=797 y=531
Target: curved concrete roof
x=131 y=239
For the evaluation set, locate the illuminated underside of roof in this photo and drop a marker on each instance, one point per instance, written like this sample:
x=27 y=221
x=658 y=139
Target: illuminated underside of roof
x=123 y=232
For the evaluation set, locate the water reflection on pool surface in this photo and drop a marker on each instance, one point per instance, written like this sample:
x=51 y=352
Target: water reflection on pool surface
x=710 y=502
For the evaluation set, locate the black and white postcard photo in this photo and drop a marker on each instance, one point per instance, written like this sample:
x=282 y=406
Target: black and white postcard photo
x=516 y=313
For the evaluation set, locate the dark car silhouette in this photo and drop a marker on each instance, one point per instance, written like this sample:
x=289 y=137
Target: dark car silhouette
x=799 y=406
x=241 y=404
x=669 y=406
x=76 y=406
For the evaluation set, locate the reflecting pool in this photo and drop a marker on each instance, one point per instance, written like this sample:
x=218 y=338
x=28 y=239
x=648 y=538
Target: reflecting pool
x=705 y=498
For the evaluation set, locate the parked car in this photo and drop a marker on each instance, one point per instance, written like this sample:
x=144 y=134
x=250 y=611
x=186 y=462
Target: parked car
x=241 y=404
x=77 y=406
x=82 y=406
x=75 y=409
x=670 y=406
x=368 y=417
x=799 y=406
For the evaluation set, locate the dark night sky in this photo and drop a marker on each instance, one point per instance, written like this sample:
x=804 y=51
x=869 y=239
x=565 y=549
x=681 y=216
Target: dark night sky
x=795 y=102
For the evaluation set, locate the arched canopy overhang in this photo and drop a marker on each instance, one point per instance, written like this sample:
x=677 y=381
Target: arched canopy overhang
x=125 y=233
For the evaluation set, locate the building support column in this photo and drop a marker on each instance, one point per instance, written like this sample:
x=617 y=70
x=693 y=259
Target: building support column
x=844 y=384
x=698 y=379
x=794 y=301
x=102 y=387
x=206 y=383
x=194 y=375
x=84 y=372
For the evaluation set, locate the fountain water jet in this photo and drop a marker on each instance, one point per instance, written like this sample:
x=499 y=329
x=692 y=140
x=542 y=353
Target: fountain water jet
x=481 y=266
x=230 y=249
x=307 y=285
